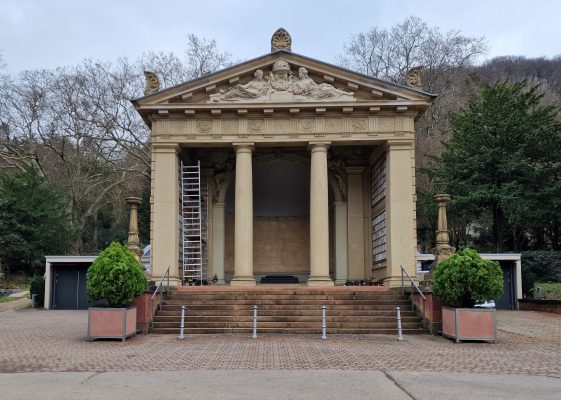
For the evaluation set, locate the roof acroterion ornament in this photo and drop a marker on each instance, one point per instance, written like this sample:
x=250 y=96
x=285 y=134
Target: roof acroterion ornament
x=281 y=40
x=413 y=77
x=152 y=82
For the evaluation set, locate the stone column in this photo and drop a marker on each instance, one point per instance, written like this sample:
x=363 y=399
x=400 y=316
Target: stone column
x=355 y=218
x=218 y=238
x=341 y=253
x=319 y=216
x=164 y=202
x=243 y=256
x=133 y=241
x=401 y=243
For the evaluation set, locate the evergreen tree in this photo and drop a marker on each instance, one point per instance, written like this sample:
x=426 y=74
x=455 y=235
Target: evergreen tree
x=34 y=222
x=504 y=160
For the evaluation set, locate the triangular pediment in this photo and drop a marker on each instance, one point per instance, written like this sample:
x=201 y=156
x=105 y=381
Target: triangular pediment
x=284 y=79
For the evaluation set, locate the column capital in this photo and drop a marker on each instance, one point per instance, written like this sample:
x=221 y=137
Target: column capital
x=240 y=146
x=133 y=201
x=318 y=146
x=393 y=144
x=166 y=148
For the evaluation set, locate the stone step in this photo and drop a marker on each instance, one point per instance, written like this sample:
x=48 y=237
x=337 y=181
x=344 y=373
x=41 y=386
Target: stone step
x=295 y=308
x=286 y=301
x=269 y=296
x=289 y=325
x=282 y=318
x=280 y=289
x=285 y=310
x=176 y=311
x=295 y=331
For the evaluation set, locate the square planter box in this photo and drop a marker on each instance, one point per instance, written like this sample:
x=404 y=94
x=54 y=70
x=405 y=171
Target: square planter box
x=111 y=323
x=469 y=323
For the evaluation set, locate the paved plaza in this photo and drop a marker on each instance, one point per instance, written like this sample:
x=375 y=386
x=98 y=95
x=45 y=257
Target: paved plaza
x=50 y=352
x=529 y=343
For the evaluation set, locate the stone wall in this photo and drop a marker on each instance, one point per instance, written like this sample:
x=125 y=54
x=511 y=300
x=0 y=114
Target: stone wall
x=431 y=309
x=281 y=245
x=551 y=306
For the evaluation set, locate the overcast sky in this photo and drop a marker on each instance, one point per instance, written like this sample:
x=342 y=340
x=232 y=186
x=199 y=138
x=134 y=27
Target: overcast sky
x=50 y=33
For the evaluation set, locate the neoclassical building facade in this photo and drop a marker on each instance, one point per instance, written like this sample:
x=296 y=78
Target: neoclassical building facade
x=305 y=169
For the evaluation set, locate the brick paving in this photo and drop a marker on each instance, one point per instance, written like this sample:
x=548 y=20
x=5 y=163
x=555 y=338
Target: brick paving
x=37 y=340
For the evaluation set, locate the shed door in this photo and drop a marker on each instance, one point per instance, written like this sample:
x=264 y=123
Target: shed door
x=70 y=288
x=506 y=301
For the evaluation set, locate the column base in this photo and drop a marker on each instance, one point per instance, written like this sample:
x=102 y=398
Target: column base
x=340 y=281
x=243 y=281
x=320 y=281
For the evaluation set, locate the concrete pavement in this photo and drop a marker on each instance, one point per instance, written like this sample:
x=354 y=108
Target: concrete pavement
x=276 y=384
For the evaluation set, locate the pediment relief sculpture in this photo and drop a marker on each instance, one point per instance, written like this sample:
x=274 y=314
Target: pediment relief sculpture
x=281 y=84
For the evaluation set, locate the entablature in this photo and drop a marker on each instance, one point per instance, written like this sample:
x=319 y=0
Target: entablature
x=289 y=128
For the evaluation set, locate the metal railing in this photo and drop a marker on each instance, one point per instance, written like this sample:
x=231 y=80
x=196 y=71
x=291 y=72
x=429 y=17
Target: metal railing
x=159 y=289
x=413 y=285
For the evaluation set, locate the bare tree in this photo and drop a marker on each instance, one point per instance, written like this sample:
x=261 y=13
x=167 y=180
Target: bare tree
x=444 y=57
x=204 y=57
x=77 y=126
x=389 y=54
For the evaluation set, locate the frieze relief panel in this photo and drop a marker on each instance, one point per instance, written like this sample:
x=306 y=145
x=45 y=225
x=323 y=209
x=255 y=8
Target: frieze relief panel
x=255 y=126
x=306 y=125
x=226 y=129
x=281 y=126
x=334 y=125
x=230 y=127
x=204 y=127
x=385 y=124
x=359 y=124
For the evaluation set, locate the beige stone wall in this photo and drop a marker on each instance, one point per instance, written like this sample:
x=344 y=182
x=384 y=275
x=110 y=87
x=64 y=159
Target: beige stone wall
x=280 y=245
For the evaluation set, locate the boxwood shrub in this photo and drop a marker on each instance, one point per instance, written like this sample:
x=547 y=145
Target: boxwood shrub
x=115 y=277
x=465 y=278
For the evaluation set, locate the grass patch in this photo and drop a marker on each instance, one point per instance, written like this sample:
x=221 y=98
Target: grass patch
x=8 y=299
x=548 y=290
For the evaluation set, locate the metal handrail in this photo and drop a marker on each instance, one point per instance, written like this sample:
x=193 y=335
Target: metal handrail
x=159 y=286
x=413 y=285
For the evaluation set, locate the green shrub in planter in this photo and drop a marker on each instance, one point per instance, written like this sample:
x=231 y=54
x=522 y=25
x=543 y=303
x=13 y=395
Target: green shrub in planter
x=115 y=276
x=465 y=278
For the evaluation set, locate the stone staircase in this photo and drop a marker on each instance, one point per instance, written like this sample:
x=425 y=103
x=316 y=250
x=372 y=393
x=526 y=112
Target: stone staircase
x=286 y=309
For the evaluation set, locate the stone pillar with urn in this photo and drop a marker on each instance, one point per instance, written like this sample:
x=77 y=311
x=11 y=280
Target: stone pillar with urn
x=133 y=240
x=443 y=250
